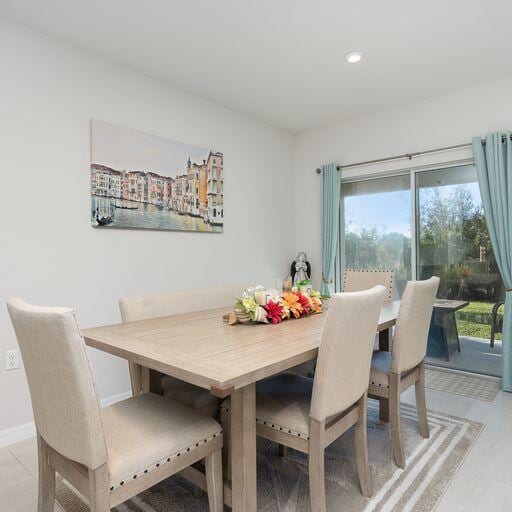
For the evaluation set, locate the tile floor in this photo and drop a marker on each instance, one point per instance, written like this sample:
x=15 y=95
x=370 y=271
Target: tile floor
x=476 y=355
x=483 y=483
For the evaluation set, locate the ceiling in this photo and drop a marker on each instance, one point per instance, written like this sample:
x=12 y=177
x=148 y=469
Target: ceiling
x=282 y=61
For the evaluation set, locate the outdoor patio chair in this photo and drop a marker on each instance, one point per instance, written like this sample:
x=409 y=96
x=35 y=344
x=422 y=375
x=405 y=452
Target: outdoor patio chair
x=496 y=321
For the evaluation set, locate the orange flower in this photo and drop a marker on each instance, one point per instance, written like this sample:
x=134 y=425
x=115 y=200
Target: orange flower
x=291 y=303
x=304 y=302
x=316 y=304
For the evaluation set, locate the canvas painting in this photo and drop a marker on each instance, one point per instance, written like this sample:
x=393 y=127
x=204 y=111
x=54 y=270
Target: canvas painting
x=149 y=182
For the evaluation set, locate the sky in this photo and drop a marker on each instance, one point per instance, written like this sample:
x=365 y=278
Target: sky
x=390 y=212
x=131 y=150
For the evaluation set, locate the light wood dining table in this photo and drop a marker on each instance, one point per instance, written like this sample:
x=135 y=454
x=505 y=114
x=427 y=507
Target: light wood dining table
x=202 y=349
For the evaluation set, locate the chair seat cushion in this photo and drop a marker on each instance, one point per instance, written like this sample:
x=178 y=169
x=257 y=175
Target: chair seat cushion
x=381 y=366
x=282 y=403
x=149 y=430
x=199 y=399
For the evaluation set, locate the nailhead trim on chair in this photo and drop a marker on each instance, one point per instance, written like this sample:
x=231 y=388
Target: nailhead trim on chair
x=379 y=385
x=173 y=456
x=275 y=426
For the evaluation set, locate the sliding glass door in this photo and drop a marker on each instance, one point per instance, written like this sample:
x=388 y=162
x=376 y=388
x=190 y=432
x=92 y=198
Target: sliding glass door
x=453 y=243
x=377 y=226
x=440 y=210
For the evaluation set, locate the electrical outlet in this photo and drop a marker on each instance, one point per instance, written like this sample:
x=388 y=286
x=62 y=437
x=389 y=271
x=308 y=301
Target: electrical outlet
x=12 y=359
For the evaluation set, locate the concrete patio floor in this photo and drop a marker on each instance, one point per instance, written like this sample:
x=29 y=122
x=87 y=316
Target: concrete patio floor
x=475 y=355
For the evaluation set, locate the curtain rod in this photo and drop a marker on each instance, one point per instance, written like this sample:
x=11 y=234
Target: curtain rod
x=409 y=156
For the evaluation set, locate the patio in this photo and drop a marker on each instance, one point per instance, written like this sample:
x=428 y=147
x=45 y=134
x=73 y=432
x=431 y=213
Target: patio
x=476 y=355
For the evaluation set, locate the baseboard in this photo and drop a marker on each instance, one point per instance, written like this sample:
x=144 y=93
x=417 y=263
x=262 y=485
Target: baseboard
x=27 y=430
x=15 y=434
x=109 y=400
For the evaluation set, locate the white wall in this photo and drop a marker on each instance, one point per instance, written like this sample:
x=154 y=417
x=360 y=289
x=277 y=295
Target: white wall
x=49 y=253
x=441 y=121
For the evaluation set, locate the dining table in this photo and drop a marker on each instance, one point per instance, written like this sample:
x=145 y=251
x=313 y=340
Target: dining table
x=228 y=360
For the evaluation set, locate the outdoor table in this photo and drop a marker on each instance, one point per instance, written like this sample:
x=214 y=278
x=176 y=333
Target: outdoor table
x=443 y=336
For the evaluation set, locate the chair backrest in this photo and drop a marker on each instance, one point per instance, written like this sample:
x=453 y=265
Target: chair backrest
x=344 y=357
x=356 y=280
x=177 y=303
x=412 y=324
x=64 y=400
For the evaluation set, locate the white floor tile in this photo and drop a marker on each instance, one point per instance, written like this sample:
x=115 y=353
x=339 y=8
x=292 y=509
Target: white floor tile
x=456 y=405
x=476 y=494
x=26 y=454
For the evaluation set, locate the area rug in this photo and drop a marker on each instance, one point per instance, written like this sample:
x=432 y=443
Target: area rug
x=283 y=482
x=472 y=386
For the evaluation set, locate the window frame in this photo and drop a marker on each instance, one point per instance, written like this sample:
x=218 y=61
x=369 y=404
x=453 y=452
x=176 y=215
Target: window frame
x=412 y=172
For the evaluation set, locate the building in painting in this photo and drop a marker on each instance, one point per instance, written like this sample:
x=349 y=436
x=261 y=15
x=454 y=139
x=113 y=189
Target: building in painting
x=197 y=192
x=215 y=189
x=100 y=180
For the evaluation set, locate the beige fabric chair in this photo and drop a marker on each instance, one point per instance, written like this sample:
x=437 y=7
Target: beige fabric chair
x=309 y=414
x=176 y=303
x=392 y=373
x=355 y=280
x=112 y=454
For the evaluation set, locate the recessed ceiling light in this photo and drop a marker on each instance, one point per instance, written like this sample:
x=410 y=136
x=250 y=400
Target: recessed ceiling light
x=354 y=56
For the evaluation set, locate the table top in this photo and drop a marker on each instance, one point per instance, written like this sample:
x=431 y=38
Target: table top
x=450 y=305
x=202 y=349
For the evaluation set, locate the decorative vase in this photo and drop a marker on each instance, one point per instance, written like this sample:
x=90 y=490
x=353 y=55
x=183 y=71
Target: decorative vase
x=242 y=316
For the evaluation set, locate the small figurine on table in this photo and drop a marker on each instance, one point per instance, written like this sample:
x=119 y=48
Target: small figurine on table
x=300 y=269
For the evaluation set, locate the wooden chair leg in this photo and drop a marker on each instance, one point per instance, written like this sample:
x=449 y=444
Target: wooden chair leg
x=394 y=419
x=316 y=466
x=383 y=409
x=226 y=449
x=361 y=438
x=99 y=491
x=46 y=481
x=214 y=481
x=421 y=403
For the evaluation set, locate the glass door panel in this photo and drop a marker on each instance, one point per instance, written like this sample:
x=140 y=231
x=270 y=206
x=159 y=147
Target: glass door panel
x=376 y=225
x=453 y=244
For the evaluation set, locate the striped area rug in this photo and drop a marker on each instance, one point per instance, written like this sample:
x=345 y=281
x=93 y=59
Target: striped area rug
x=283 y=482
x=470 y=385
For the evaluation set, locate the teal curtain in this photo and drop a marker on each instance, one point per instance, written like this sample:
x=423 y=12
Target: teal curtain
x=493 y=160
x=331 y=191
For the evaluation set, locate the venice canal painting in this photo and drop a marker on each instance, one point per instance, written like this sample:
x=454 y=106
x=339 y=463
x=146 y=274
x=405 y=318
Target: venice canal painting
x=148 y=182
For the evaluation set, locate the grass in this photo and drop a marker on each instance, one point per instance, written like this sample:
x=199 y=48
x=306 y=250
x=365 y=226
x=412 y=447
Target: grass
x=475 y=320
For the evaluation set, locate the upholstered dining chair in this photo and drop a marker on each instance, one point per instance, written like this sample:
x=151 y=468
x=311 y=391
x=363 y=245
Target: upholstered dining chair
x=392 y=373
x=355 y=280
x=110 y=454
x=166 y=304
x=309 y=414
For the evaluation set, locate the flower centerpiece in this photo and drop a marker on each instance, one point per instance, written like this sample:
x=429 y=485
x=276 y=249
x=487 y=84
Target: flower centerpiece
x=260 y=305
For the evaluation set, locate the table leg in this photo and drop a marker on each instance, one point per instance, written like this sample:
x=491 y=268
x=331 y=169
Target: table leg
x=243 y=449
x=135 y=377
x=446 y=341
x=384 y=343
x=150 y=381
x=384 y=337
x=456 y=332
